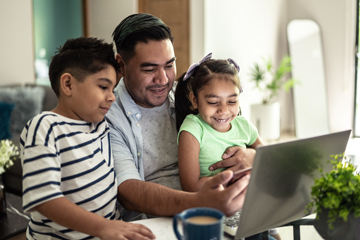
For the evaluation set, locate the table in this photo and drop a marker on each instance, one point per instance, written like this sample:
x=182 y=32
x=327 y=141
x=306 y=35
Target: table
x=162 y=228
x=14 y=222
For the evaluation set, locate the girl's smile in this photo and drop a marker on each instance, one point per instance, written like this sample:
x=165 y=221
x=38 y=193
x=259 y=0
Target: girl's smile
x=218 y=103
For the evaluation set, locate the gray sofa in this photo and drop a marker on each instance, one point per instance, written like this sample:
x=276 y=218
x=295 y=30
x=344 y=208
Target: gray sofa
x=28 y=101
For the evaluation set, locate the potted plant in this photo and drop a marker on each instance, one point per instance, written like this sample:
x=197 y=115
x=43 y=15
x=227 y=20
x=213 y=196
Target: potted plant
x=270 y=81
x=7 y=151
x=336 y=200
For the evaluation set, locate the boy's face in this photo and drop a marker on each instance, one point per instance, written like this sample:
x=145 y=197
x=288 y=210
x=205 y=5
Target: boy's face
x=150 y=74
x=92 y=97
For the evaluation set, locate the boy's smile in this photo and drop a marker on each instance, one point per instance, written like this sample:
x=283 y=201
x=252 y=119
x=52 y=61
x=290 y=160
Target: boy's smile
x=218 y=103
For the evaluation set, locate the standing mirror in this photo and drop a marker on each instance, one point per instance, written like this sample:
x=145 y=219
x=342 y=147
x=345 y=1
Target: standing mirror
x=310 y=101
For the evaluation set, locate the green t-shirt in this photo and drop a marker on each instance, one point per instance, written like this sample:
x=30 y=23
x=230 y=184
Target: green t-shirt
x=213 y=143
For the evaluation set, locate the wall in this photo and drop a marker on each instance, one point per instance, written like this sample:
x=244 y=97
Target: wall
x=16 y=42
x=253 y=29
x=337 y=22
x=105 y=15
x=248 y=33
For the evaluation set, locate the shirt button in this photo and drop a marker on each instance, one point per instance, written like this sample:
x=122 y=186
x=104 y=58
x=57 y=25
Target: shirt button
x=128 y=113
x=138 y=154
x=137 y=115
x=138 y=124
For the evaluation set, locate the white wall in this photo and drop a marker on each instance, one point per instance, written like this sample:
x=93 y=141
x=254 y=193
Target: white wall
x=337 y=22
x=247 y=32
x=16 y=42
x=105 y=15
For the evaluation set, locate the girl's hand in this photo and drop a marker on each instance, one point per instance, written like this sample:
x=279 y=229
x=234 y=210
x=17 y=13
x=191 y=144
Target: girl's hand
x=123 y=230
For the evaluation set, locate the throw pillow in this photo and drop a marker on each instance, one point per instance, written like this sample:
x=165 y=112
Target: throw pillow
x=28 y=103
x=5 y=115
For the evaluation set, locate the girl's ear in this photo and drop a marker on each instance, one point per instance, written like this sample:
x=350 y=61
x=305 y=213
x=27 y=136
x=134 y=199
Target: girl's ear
x=193 y=100
x=66 y=84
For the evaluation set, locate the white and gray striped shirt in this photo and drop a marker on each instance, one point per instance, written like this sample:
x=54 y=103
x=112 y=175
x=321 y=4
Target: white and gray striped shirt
x=69 y=158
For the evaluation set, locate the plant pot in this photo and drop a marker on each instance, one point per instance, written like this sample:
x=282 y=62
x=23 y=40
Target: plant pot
x=266 y=118
x=342 y=230
x=2 y=197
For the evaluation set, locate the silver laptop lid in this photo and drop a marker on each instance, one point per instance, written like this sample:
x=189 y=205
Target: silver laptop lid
x=281 y=179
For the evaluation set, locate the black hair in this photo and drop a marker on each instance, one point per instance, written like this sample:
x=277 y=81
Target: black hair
x=139 y=27
x=202 y=75
x=81 y=57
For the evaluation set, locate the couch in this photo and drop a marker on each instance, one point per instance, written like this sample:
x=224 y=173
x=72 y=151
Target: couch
x=24 y=102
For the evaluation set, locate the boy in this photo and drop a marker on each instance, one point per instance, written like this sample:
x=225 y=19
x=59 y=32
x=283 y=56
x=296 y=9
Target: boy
x=69 y=183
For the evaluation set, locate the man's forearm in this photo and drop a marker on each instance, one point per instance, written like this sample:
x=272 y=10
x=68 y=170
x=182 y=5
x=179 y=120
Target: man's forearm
x=154 y=199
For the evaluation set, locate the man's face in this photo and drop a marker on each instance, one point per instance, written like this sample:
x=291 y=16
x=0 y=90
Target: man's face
x=150 y=74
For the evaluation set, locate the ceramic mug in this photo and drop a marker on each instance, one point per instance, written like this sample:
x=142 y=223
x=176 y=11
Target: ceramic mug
x=199 y=224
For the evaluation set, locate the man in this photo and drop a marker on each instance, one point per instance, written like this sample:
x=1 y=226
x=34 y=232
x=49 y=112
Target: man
x=143 y=131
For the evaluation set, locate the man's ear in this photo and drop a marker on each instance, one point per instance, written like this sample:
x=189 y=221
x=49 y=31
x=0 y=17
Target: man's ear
x=66 y=84
x=120 y=60
x=193 y=100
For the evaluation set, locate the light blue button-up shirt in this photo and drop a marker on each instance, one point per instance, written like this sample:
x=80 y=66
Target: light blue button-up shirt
x=125 y=135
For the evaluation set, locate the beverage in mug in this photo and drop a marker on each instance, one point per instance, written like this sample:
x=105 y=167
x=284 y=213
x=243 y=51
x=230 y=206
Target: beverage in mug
x=199 y=224
x=202 y=219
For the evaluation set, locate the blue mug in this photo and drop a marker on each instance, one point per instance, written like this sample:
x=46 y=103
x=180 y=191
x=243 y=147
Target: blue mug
x=200 y=224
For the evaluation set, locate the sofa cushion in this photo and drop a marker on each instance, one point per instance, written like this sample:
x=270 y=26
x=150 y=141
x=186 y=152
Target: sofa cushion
x=5 y=115
x=28 y=103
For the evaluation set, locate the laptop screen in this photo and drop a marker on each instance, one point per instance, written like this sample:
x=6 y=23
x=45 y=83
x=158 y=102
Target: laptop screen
x=281 y=179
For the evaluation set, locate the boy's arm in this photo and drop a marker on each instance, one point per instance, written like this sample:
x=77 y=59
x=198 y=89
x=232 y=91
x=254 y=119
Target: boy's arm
x=68 y=214
x=155 y=199
x=188 y=158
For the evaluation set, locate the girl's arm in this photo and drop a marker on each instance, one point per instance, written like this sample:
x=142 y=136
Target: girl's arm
x=237 y=158
x=258 y=142
x=68 y=214
x=189 y=167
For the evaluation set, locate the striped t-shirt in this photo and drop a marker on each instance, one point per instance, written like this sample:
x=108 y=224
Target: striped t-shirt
x=69 y=158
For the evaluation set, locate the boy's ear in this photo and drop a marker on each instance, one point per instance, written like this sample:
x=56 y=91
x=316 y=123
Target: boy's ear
x=66 y=84
x=193 y=100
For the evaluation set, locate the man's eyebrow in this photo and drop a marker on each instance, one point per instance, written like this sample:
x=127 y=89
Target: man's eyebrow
x=148 y=64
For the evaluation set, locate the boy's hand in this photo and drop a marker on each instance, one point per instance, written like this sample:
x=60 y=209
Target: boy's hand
x=235 y=158
x=124 y=230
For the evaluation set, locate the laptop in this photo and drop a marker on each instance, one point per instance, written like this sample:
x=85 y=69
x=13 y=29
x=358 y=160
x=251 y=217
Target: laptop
x=281 y=179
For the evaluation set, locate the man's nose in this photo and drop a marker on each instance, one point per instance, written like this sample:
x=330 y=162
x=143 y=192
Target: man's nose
x=161 y=77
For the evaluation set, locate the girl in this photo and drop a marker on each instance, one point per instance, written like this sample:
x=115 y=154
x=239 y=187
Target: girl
x=208 y=121
x=207 y=117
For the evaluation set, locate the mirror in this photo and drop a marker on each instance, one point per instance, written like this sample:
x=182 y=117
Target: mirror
x=310 y=101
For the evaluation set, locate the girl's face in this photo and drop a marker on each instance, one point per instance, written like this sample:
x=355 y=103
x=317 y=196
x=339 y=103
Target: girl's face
x=218 y=103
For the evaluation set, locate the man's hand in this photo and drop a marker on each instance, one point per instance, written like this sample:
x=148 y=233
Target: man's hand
x=235 y=158
x=228 y=200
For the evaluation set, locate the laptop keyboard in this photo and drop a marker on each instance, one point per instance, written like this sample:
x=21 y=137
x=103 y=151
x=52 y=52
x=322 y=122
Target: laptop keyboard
x=233 y=221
